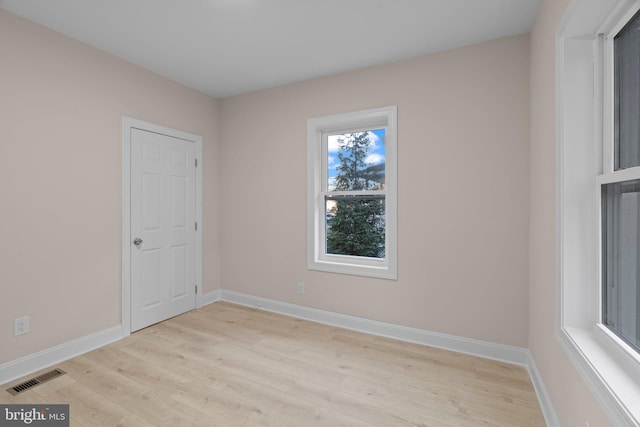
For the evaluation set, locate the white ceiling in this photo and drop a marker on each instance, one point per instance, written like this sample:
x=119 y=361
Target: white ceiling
x=229 y=47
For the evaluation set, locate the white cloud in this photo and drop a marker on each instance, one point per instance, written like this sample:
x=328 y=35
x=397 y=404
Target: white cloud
x=332 y=184
x=333 y=145
x=373 y=139
x=374 y=159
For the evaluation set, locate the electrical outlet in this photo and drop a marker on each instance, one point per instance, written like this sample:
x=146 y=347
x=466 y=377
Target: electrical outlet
x=300 y=288
x=21 y=326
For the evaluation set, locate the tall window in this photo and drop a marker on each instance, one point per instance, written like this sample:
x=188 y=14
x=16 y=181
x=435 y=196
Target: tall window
x=352 y=193
x=621 y=196
x=598 y=184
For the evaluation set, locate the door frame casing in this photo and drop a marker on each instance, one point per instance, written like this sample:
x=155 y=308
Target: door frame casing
x=129 y=123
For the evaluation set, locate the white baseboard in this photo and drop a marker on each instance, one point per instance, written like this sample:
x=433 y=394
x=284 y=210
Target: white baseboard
x=211 y=297
x=550 y=416
x=34 y=362
x=487 y=350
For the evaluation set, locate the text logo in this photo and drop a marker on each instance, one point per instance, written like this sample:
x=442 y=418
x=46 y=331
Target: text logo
x=34 y=415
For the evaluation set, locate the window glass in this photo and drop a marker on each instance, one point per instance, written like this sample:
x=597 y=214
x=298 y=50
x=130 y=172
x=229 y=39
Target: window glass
x=627 y=95
x=621 y=252
x=355 y=221
x=355 y=225
x=356 y=161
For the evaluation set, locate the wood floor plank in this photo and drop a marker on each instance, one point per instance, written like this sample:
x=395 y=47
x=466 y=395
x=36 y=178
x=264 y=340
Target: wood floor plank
x=228 y=365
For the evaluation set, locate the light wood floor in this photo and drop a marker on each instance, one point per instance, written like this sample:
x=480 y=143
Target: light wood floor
x=227 y=365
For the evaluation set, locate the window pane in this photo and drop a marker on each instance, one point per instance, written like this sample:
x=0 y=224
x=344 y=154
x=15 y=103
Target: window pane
x=621 y=262
x=355 y=225
x=356 y=161
x=627 y=95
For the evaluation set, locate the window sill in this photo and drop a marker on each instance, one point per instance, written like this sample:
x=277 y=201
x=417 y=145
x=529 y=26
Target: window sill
x=380 y=272
x=610 y=372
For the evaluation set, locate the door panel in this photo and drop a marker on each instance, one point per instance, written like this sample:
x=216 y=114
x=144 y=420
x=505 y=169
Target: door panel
x=151 y=201
x=151 y=273
x=179 y=273
x=178 y=205
x=163 y=216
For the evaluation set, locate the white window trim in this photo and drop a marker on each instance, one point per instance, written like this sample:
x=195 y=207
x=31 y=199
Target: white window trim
x=317 y=259
x=609 y=367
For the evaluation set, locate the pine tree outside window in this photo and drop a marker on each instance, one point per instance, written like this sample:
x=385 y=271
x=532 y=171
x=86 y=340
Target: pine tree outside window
x=355 y=211
x=352 y=193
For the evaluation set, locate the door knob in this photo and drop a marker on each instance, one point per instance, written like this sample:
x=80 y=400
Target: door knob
x=137 y=241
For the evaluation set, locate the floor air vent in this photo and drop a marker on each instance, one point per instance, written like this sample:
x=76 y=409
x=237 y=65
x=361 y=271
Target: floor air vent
x=29 y=384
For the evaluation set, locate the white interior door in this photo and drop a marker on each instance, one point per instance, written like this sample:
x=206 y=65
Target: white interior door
x=163 y=223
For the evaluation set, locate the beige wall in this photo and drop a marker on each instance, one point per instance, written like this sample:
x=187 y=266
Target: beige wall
x=61 y=104
x=574 y=403
x=463 y=192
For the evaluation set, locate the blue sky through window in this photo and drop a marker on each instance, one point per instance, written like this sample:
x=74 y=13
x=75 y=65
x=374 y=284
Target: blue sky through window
x=375 y=155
